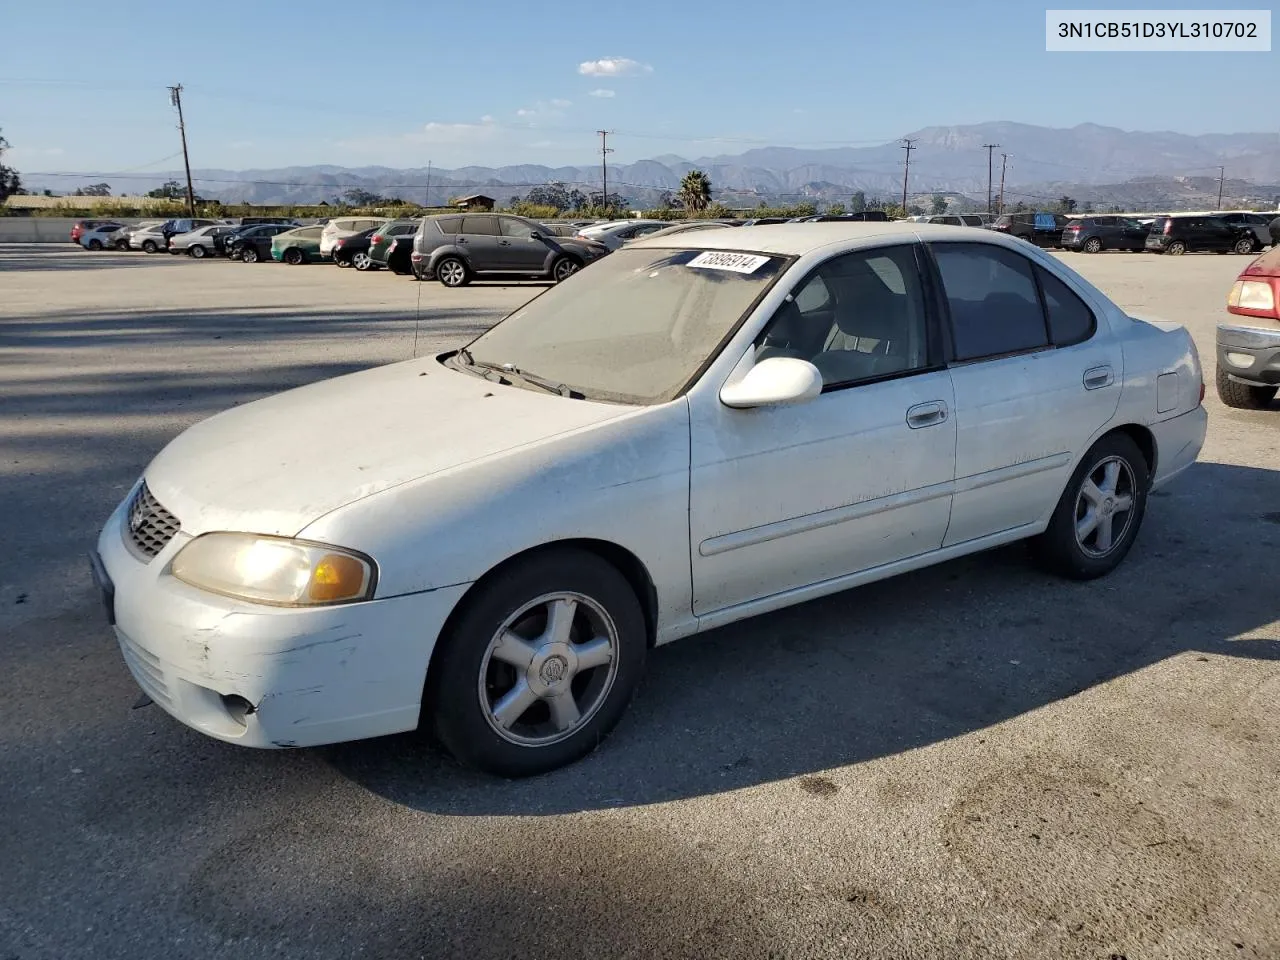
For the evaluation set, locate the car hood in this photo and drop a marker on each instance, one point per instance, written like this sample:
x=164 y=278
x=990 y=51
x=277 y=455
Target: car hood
x=278 y=464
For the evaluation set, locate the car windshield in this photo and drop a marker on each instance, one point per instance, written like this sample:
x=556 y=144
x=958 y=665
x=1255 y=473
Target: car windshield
x=636 y=327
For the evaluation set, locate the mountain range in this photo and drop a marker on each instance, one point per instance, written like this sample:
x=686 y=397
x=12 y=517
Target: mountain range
x=1042 y=162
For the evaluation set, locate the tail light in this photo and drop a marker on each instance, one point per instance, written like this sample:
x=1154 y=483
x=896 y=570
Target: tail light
x=1074 y=227
x=339 y=243
x=376 y=238
x=1168 y=227
x=416 y=257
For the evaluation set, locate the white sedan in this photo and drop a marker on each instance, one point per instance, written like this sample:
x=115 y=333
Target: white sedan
x=104 y=236
x=488 y=541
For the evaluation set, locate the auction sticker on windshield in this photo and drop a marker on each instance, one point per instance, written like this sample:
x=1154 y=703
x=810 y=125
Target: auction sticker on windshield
x=721 y=260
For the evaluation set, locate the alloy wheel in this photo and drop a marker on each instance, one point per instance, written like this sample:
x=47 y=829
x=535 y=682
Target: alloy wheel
x=1104 y=506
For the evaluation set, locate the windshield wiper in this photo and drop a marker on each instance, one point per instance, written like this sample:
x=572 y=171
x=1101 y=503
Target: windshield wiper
x=505 y=370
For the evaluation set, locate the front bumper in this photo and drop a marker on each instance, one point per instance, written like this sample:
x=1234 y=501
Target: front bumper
x=266 y=676
x=1249 y=354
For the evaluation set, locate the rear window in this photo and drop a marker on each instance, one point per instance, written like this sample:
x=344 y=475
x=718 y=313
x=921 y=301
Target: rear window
x=1159 y=223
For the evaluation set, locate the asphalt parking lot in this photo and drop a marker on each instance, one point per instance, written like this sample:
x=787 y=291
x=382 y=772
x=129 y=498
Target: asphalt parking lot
x=975 y=760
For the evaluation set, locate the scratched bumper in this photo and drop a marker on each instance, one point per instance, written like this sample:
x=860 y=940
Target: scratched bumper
x=310 y=676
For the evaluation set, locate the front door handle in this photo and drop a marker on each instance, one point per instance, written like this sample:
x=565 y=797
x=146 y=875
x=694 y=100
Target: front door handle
x=926 y=414
x=504 y=243
x=1095 y=378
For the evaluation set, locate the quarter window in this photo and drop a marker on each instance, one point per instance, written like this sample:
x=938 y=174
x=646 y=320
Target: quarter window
x=1070 y=319
x=992 y=298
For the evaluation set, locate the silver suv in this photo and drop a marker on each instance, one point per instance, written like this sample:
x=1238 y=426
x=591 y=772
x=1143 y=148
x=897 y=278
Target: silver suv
x=456 y=248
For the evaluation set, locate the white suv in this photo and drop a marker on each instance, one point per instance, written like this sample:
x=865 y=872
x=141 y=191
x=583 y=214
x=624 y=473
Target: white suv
x=340 y=227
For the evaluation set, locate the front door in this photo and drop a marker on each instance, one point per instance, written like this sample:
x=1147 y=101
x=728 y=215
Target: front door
x=518 y=250
x=1035 y=377
x=784 y=497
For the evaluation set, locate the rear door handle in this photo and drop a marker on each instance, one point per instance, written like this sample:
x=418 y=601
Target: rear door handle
x=926 y=414
x=504 y=243
x=1095 y=378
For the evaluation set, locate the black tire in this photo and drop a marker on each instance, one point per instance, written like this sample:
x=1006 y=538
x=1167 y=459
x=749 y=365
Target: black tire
x=198 y=251
x=249 y=254
x=1060 y=549
x=95 y=244
x=342 y=262
x=1176 y=248
x=1092 y=245
x=564 y=268
x=1243 y=245
x=1243 y=396
x=452 y=272
x=149 y=246
x=456 y=684
x=293 y=256
x=122 y=245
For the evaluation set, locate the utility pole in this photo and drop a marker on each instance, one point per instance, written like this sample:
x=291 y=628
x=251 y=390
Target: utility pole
x=907 y=145
x=175 y=97
x=1004 y=159
x=989 y=147
x=427 y=197
x=604 y=166
x=1221 y=172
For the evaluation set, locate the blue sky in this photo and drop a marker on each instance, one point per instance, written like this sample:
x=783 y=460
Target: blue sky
x=267 y=84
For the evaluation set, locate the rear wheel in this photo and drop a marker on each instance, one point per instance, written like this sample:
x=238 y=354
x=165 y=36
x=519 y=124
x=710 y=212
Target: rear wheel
x=1243 y=245
x=199 y=252
x=95 y=244
x=1092 y=245
x=452 y=272
x=1176 y=249
x=150 y=246
x=539 y=665
x=293 y=256
x=1244 y=396
x=1099 y=513
x=249 y=254
x=361 y=261
x=121 y=244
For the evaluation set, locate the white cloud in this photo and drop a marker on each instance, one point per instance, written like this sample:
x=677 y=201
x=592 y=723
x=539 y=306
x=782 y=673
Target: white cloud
x=606 y=94
x=487 y=118
x=612 y=67
x=544 y=110
x=561 y=104
x=526 y=112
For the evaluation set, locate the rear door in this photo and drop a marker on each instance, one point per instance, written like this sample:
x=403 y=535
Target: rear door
x=478 y=238
x=1131 y=234
x=518 y=251
x=1035 y=377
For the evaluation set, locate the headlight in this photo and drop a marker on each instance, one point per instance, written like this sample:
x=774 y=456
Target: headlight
x=1251 y=295
x=275 y=570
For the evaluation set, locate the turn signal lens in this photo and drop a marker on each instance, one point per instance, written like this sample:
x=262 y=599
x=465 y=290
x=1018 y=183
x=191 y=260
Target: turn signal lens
x=338 y=577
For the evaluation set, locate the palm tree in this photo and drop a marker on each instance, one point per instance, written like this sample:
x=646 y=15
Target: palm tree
x=695 y=190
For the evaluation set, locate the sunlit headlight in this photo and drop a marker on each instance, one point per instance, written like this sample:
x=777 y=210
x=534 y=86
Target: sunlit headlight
x=274 y=569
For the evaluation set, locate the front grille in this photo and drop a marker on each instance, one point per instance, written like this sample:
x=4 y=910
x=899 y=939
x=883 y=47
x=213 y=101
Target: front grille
x=150 y=525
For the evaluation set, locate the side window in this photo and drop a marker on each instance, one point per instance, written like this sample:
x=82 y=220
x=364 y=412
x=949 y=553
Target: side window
x=402 y=230
x=858 y=317
x=480 y=226
x=449 y=225
x=647 y=228
x=992 y=298
x=511 y=227
x=1070 y=319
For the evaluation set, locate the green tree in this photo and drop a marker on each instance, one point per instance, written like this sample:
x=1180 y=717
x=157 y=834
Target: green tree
x=358 y=197
x=1019 y=207
x=10 y=182
x=836 y=209
x=938 y=204
x=552 y=194
x=859 y=203
x=169 y=190
x=695 y=190
x=94 y=190
x=1066 y=205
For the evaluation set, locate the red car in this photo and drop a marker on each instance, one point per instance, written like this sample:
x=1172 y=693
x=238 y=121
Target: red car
x=1249 y=356
x=81 y=226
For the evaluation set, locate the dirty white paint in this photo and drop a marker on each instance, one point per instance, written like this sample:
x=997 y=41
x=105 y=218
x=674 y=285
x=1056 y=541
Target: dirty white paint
x=440 y=476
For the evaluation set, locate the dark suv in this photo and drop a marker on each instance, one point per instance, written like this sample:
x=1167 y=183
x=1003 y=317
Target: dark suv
x=1042 y=229
x=456 y=248
x=1095 y=234
x=1192 y=233
x=1257 y=222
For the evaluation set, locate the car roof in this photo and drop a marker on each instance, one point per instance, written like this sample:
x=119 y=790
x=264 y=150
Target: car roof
x=797 y=239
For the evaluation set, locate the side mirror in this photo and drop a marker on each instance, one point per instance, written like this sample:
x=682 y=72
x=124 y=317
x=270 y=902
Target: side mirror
x=776 y=380
x=535 y=235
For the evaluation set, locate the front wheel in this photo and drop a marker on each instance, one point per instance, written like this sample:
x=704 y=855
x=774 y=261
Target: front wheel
x=122 y=245
x=199 y=252
x=1243 y=245
x=452 y=272
x=539 y=665
x=293 y=256
x=1176 y=249
x=1099 y=513
x=1244 y=396
x=1093 y=245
